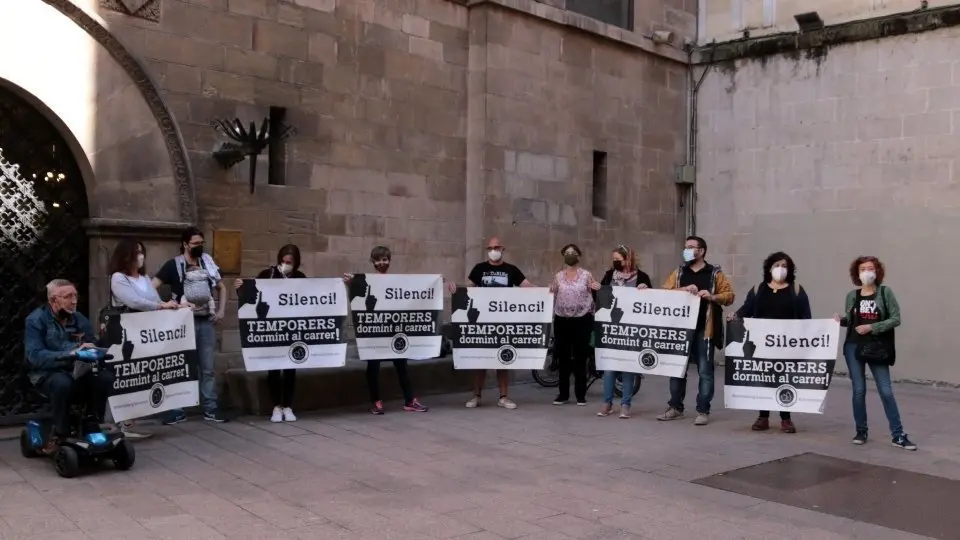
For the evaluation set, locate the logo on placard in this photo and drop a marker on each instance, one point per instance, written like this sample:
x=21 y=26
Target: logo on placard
x=399 y=344
x=157 y=393
x=649 y=359
x=786 y=396
x=506 y=355
x=298 y=352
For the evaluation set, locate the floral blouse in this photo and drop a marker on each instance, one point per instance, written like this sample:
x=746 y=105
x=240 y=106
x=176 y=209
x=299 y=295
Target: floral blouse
x=573 y=297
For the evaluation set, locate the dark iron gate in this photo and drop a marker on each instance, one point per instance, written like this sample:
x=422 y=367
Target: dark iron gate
x=42 y=207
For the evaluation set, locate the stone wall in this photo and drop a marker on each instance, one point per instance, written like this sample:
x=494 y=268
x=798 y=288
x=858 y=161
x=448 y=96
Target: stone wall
x=833 y=156
x=427 y=126
x=723 y=20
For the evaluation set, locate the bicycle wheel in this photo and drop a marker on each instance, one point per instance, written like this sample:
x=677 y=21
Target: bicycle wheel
x=618 y=384
x=549 y=376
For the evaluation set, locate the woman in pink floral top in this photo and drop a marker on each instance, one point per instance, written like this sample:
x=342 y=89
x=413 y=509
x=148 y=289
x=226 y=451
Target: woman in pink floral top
x=572 y=324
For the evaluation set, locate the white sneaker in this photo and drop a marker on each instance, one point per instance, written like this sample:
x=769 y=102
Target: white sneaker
x=288 y=415
x=506 y=403
x=474 y=402
x=277 y=415
x=126 y=428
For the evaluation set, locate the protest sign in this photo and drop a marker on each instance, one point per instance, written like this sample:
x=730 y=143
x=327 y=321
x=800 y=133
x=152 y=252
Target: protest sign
x=645 y=331
x=397 y=315
x=155 y=362
x=500 y=328
x=779 y=365
x=292 y=323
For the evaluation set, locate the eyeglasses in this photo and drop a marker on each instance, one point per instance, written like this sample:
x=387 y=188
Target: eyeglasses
x=69 y=296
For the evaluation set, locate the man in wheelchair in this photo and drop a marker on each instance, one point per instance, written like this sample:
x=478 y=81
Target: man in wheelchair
x=57 y=336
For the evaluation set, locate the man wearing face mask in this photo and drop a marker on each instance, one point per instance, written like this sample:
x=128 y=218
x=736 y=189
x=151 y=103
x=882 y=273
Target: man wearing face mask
x=54 y=331
x=192 y=277
x=494 y=272
x=708 y=282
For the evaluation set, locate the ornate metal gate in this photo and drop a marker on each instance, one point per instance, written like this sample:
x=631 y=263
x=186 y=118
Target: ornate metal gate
x=42 y=206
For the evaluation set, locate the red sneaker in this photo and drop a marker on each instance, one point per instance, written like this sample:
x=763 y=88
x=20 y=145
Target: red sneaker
x=415 y=406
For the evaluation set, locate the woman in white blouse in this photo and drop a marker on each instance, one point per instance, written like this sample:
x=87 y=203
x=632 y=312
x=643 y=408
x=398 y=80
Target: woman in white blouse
x=131 y=290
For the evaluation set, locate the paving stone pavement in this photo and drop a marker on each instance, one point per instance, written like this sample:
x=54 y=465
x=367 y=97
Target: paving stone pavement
x=538 y=472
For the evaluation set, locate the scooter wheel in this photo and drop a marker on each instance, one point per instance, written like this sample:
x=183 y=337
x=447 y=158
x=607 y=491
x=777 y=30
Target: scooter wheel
x=67 y=462
x=26 y=449
x=124 y=456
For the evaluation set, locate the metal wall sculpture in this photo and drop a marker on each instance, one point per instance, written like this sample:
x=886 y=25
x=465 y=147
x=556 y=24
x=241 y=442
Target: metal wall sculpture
x=42 y=206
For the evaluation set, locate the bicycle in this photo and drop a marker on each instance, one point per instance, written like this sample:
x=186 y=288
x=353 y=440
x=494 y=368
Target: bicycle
x=549 y=376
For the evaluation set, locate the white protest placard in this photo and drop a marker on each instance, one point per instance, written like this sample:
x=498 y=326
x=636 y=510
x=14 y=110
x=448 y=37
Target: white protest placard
x=155 y=362
x=647 y=331
x=292 y=323
x=501 y=328
x=397 y=315
x=779 y=365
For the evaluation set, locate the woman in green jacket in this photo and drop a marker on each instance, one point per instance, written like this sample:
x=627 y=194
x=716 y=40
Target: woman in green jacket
x=870 y=316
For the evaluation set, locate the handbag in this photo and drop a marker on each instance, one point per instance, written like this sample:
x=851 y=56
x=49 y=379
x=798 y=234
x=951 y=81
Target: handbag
x=108 y=320
x=879 y=349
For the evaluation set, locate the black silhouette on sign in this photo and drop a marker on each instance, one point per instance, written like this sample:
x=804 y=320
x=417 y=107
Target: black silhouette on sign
x=250 y=294
x=114 y=331
x=738 y=333
x=606 y=300
x=461 y=300
x=127 y=349
x=360 y=287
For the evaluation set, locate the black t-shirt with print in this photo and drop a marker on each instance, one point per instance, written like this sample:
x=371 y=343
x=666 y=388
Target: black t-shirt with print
x=496 y=275
x=865 y=311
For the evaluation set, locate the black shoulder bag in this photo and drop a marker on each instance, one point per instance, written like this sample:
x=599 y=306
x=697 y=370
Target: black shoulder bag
x=881 y=348
x=108 y=320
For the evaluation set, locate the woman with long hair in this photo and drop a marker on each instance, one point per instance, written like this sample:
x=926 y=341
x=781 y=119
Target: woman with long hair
x=282 y=382
x=624 y=272
x=871 y=313
x=779 y=296
x=132 y=291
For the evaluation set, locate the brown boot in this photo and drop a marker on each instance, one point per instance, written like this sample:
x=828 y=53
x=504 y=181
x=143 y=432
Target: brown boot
x=762 y=424
x=787 y=426
x=53 y=444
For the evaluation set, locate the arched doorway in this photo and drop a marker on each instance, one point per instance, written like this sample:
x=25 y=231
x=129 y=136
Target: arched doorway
x=43 y=203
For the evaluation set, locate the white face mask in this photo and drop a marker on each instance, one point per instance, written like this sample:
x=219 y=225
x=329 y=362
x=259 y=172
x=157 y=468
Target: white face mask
x=494 y=255
x=689 y=255
x=285 y=268
x=868 y=277
x=140 y=259
x=779 y=273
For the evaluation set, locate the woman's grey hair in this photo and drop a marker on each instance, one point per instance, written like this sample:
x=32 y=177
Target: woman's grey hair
x=379 y=252
x=56 y=284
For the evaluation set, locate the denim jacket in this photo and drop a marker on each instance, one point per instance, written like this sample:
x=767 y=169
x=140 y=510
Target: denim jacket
x=46 y=340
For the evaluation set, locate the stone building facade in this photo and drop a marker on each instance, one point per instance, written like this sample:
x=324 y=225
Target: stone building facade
x=425 y=125
x=845 y=145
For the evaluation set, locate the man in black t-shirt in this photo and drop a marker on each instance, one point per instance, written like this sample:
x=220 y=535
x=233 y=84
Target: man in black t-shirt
x=493 y=272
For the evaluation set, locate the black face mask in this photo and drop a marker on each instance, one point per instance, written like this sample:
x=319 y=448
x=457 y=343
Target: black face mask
x=196 y=251
x=63 y=314
x=618 y=266
x=382 y=267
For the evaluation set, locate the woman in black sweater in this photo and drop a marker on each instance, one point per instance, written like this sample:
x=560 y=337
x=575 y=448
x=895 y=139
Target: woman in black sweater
x=282 y=382
x=778 y=297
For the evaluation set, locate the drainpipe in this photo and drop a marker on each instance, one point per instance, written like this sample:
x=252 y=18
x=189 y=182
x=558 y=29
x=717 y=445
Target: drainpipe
x=688 y=174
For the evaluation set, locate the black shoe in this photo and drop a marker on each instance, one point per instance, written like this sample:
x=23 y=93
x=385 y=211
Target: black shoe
x=175 y=419
x=901 y=441
x=214 y=416
x=560 y=400
x=860 y=438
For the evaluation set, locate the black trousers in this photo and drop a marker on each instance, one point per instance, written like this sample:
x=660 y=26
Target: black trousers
x=282 y=383
x=571 y=347
x=784 y=415
x=64 y=391
x=373 y=380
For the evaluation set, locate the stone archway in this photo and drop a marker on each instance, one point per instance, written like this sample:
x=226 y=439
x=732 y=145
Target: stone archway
x=101 y=94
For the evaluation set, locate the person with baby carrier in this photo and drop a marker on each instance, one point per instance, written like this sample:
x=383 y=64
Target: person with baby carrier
x=192 y=277
x=778 y=297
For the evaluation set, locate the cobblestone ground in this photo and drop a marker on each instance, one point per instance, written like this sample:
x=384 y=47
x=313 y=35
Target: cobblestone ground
x=538 y=472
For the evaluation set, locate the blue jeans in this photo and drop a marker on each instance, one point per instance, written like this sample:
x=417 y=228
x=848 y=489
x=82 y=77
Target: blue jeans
x=701 y=354
x=881 y=374
x=609 y=382
x=206 y=335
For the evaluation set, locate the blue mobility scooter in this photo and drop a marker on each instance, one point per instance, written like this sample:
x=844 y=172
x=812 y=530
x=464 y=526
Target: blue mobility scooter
x=86 y=444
